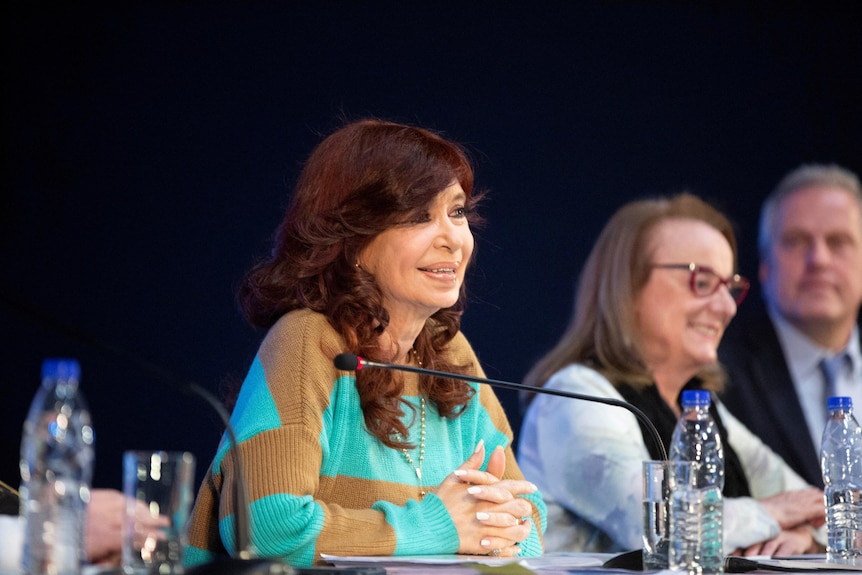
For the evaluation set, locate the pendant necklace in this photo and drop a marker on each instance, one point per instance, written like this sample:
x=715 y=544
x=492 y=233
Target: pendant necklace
x=407 y=456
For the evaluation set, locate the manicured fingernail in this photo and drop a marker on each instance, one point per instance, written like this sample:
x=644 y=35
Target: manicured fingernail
x=485 y=543
x=479 y=446
x=482 y=516
x=474 y=489
x=533 y=485
x=459 y=472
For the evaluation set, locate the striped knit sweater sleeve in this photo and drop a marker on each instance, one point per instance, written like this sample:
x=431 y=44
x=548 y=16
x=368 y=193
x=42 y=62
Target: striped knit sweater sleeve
x=318 y=482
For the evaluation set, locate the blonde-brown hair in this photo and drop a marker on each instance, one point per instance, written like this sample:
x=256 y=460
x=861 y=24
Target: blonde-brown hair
x=601 y=330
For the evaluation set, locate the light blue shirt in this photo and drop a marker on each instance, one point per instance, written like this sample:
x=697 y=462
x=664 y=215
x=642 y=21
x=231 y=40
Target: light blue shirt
x=803 y=358
x=587 y=460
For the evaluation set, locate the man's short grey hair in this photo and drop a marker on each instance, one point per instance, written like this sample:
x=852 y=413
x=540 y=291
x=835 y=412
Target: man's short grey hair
x=805 y=176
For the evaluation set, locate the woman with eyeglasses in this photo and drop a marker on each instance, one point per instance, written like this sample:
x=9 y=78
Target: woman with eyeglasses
x=654 y=298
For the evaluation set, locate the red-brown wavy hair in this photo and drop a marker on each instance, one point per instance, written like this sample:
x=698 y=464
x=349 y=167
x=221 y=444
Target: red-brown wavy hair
x=366 y=177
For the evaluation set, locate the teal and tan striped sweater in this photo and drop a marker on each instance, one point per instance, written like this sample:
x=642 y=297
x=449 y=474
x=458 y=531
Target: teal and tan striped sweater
x=318 y=481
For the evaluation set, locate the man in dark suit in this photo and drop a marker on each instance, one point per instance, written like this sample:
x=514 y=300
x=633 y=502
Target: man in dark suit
x=801 y=344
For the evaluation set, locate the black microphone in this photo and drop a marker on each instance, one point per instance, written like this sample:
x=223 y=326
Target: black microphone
x=350 y=362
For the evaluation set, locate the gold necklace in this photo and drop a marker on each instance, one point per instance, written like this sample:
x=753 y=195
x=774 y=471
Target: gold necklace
x=407 y=456
x=415 y=355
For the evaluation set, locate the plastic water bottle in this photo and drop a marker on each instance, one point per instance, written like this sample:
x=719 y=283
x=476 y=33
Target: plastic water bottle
x=696 y=500
x=56 y=469
x=841 y=464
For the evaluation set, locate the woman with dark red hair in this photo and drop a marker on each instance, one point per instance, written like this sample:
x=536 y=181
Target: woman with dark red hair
x=370 y=260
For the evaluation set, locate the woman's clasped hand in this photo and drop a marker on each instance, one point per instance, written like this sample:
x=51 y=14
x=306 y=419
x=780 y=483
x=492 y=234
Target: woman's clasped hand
x=490 y=517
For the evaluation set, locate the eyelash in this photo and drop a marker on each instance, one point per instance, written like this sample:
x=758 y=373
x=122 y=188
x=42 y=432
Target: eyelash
x=461 y=212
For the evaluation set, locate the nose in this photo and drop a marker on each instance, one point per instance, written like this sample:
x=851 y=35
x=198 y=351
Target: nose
x=818 y=252
x=723 y=303
x=450 y=235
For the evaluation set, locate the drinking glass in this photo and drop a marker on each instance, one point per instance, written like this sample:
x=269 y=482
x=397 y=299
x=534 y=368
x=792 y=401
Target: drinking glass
x=158 y=490
x=656 y=476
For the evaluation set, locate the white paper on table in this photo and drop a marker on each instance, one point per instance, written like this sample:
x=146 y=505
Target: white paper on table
x=547 y=561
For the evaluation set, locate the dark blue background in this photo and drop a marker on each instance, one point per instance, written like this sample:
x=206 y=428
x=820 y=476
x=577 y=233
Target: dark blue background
x=149 y=149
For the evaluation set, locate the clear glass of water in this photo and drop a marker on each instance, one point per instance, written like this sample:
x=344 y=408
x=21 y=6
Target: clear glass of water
x=656 y=477
x=159 y=492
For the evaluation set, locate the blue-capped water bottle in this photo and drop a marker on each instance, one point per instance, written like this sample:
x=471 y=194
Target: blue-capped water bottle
x=697 y=471
x=841 y=464
x=56 y=469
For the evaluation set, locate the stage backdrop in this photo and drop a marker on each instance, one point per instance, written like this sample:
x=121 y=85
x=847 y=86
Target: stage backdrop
x=150 y=147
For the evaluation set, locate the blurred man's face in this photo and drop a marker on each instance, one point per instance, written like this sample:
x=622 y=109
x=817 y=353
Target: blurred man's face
x=813 y=272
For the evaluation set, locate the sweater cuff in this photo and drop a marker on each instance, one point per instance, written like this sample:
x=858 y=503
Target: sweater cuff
x=533 y=545
x=421 y=527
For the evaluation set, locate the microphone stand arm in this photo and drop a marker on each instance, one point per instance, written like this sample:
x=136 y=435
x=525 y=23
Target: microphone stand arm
x=242 y=522
x=640 y=415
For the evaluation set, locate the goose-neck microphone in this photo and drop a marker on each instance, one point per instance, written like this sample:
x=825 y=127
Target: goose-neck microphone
x=350 y=362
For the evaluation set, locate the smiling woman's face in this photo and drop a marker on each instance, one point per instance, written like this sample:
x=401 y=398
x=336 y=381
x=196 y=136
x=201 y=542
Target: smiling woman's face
x=420 y=266
x=679 y=331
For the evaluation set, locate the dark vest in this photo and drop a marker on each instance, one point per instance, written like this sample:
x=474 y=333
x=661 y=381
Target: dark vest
x=662 y=416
